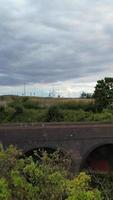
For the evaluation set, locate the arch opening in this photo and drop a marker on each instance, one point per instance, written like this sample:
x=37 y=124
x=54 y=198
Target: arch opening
x=58 y=157
x=37 y=153
x=100 y=160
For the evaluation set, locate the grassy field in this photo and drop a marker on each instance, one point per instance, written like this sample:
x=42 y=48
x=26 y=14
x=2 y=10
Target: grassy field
x=37 y=109
x=45 y=101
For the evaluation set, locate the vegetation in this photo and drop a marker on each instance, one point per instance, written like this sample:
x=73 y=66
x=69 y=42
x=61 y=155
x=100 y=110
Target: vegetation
x=86 y=95
x=47 y=179
x=50 y=178
x=29 y=109
x=104 y=183
x=85 y=109
x=103 y=93
x=54 y=114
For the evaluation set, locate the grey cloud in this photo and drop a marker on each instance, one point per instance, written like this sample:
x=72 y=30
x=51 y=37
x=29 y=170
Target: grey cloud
x=44 y=41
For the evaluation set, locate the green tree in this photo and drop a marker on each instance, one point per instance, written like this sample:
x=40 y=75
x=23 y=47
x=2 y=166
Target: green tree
x=103 y=93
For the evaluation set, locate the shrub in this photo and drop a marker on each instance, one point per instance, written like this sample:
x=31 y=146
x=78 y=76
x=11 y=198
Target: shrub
x=77 y=105
x=2 y=113
x=54 y=114
x=79 y=189
x=31 y=105
x=104 y=182
x=24 y=179
x=19 y=109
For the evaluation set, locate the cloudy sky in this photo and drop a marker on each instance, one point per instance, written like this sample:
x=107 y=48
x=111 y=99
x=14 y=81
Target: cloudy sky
x=58 y=46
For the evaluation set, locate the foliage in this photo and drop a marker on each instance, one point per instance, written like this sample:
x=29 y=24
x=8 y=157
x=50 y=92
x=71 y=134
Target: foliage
x=31 y=105
x=26 y=109
x=80 y=190
x=4 y=190
x=103 y=93
x=104 y=182
x=72 y=105
x=24 y=179
x=85 y=95
x=54 y=114
x=2 y=113
x=41 y=115
x=19 y=109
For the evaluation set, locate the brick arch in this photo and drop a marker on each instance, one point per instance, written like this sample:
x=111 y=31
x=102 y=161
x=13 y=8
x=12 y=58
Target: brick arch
x=93 y=150
x=63 y=154
x=48 y=149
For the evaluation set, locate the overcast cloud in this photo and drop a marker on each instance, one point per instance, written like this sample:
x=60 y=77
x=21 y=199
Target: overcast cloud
x=66 y=44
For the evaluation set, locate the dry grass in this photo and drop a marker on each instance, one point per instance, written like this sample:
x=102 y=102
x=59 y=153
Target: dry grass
x=4 y=100
x=51 y=101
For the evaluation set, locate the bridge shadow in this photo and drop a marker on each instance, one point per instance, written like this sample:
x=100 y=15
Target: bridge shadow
x=99 y=160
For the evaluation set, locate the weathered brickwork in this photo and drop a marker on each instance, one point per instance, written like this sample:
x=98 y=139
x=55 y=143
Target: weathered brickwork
x=78 y=139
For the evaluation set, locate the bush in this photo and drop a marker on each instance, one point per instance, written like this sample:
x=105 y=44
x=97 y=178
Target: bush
x=79 y=189
x=31 y=105
x=79 y=105
x=19 y=109
x=104 y=182
x=54 y=114
x=24 y=179
x=2 y=113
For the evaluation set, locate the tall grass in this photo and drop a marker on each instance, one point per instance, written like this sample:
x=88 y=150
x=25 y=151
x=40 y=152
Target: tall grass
x=33 y=109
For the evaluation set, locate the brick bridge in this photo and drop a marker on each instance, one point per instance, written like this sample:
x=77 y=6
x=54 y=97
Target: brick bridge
x=79 y=139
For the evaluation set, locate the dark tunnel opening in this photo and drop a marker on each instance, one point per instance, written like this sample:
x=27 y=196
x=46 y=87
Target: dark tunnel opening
x=58 y=156
x=37 y=153
x=100 y=160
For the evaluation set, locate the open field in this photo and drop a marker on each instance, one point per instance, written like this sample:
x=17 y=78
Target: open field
x=47 y=101
x=37 y=109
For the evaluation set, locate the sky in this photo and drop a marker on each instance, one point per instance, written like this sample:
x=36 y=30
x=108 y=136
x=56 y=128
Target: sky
x=61 y=46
